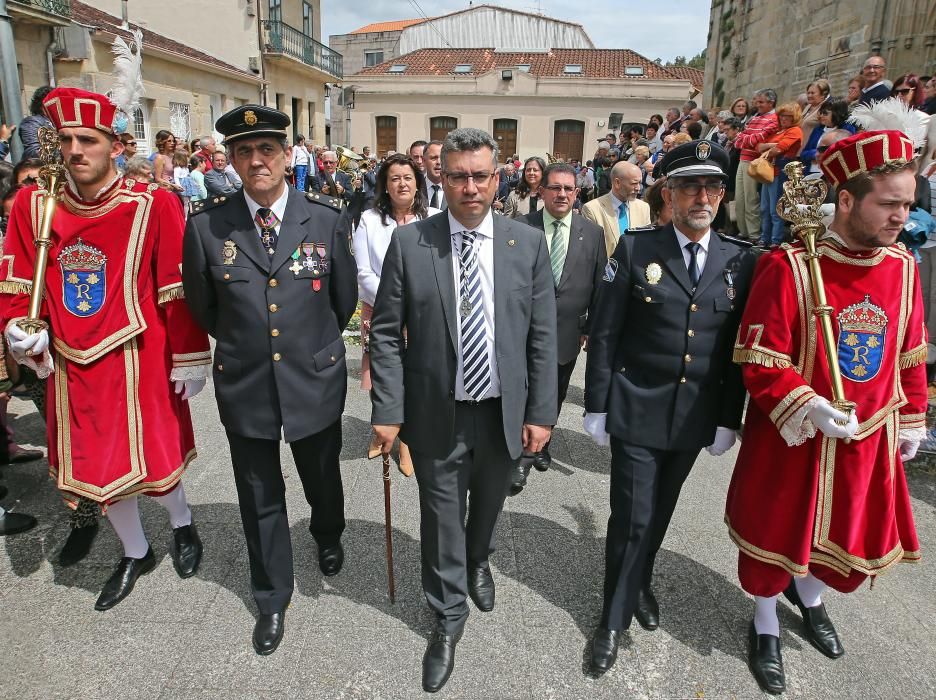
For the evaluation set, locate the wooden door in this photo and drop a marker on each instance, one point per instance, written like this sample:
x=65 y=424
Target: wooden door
x=439 y=127
x=386 y=135
x=505 y=133
x=568 y=139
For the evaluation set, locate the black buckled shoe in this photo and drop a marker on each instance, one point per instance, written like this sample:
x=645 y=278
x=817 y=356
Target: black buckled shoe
x=185 y=547
x=604 y=649
x=542 y=459
x=648 y=610
x=817 y=626
x=518 y=475
x=15 y=523
x=78 y=544
x=268 y=632
x=481 y=587
x=331 y=558
x=439 y=660
x=121 y=582
x=765 y=661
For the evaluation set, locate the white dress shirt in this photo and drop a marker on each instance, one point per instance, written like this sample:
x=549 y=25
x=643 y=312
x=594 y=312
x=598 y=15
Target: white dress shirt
x=370 y=242
x=484 y=245
x=701 y=256
x=278 y=208
x=429 y=186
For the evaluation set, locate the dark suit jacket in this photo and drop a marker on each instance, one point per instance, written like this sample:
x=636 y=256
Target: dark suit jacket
x=875 y=94
x=659 y=355
x=319 y=182
x=578 y=287
x=414 y=382
x=279 y=360
x=217 y=184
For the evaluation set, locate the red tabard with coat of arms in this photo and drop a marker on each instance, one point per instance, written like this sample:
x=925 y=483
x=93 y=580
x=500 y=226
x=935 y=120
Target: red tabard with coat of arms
x=796 y=498
x=119 y=329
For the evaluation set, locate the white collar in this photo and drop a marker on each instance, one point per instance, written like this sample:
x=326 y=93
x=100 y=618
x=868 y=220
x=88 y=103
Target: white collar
x=683 y=239
x=278 y=208
x=485 y=228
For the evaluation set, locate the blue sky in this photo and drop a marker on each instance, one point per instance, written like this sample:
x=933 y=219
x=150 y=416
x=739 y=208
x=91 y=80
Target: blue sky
x=656 y=29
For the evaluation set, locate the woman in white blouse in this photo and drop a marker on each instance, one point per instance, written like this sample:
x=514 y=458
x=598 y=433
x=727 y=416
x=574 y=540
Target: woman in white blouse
x=300 y=162
x=399 y=198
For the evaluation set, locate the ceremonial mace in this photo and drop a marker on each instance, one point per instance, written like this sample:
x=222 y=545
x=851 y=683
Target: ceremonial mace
x=388 y=530
x=800 y=205
x=52 y=176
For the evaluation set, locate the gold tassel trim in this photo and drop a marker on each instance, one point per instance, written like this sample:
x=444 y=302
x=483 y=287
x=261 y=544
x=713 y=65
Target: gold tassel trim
x=171 y=294
x=742 y=355
x=8 y=287
x=913 y=358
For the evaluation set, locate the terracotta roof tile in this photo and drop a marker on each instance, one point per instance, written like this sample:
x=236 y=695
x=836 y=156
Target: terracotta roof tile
x=93 y=17
x=695 y=76
x=388 y=26
x=596 y=63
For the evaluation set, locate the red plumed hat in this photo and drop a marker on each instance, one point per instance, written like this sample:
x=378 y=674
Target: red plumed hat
x=864 y=152
x=73 y=107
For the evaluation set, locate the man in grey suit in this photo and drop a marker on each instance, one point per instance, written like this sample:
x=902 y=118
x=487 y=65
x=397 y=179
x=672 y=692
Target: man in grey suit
x=474 y=382
x=218 y=182
x=577 y=257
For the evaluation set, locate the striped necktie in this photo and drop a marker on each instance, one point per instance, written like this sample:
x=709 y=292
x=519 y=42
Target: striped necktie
x=476 y=367
x=557 y=252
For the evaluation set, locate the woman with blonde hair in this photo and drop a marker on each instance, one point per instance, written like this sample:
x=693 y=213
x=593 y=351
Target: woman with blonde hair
x=783 y=148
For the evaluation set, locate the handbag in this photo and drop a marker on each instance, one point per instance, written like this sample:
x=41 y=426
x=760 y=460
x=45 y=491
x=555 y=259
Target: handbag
x=761 y=169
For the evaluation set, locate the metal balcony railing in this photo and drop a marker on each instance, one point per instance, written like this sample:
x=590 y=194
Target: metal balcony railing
x=279 y=37
x=62 y=8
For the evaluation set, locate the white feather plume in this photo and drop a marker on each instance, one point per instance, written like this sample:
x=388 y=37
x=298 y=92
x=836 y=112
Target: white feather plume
x=892 y=114
x=128 y=73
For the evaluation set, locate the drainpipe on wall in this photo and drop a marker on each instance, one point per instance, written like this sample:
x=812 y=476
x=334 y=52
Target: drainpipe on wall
x=9 y=75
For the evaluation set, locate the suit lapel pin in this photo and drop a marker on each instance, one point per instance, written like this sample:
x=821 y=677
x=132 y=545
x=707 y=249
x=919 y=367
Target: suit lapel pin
x=229 y=252
x=654 y=273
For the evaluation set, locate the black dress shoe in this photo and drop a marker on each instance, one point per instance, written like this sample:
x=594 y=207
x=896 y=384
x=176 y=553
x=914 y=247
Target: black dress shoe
x=331 y=559
x=816 y=624
x=121 y=582
x=648 y=610
x=3 y=492
x=185 y=548
x=439 y=660
x=518 y=476
x=765 y=661
x=481 y=587
x=77 y=545
x=15 y=523
x=604 y=649
x=268 y=632
x=542 y=459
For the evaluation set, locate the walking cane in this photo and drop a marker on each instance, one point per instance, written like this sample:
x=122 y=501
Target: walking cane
x=388 y=529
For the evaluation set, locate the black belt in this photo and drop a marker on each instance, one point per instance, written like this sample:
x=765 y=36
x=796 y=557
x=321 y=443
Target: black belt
x=472 y=402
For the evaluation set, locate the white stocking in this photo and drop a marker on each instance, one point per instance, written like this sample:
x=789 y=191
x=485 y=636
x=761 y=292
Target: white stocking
x=765 y=616
x=810 y=590
x=124 y=517
x=174 y=501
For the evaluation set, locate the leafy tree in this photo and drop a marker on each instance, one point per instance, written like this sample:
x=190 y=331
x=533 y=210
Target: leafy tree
x=697 y=61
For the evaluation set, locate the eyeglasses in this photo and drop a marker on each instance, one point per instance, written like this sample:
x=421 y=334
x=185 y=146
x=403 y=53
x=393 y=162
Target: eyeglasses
x=903 y=91
x=329 y=162
x=692 y=189
x=461 y=179
x=130 y=143
x=560 y=188
x=874 y=66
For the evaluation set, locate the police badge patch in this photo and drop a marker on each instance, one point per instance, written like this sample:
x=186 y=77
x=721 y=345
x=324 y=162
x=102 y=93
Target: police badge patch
x=610 y=270
x=84 y=278
x=861 y=340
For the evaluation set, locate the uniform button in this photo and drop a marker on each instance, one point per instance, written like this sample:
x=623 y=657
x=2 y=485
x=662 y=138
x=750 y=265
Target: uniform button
x=688 y=358
x=691 y=333
x=277 y=357
x=648 y=299
x=220 y=368
x=273 y=308
x=332 y=358
x=694 y=307
x=273 y=283
x=682 y=380
x=227 y=275
x=274 y=332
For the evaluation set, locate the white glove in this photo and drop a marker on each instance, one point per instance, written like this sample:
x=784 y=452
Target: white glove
x=908 y=449
x=189 y=387
x=20 y=342
x=824 y=417
x=595 y=427
x=724 y=440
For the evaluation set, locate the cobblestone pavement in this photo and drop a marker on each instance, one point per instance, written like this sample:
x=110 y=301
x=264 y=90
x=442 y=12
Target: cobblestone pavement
x=191 y=639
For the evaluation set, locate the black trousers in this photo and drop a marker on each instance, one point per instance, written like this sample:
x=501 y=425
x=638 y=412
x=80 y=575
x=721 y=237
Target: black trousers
x=565 y=376
x=261 y=494
x=645 y=485
x=460 y=497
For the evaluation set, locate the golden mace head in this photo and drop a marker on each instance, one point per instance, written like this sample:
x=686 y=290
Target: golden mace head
x=802 y=200
x=53 y=167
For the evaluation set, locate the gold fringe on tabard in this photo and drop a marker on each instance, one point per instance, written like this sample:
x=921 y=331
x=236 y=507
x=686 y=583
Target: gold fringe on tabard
x=9 y=287
x=913 y=358
x=171 y=294
x=742 y=355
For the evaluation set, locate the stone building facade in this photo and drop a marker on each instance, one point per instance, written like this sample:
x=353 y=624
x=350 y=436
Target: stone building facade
x=755 y=44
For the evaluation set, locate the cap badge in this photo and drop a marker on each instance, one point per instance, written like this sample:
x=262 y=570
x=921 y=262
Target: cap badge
x=654 y=273
x=250 y=118
x=703 y=150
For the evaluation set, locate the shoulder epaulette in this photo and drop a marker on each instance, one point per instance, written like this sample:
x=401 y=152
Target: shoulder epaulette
x=336 y=203
x=209 y=203
x=740 y=242
x=642 y=229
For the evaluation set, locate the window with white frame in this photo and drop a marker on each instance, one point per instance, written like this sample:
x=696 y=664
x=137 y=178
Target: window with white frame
x=140 y=128
x=373 y=58
x=179 y=120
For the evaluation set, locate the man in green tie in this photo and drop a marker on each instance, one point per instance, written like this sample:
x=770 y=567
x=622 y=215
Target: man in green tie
x=577 y=257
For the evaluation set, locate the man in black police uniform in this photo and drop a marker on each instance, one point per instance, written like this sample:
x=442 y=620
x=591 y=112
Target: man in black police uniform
x=268 y=272
x=659 y=376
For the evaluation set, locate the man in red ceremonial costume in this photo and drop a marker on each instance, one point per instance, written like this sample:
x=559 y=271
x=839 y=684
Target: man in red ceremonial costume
x=123 y=352
x=819 y=498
